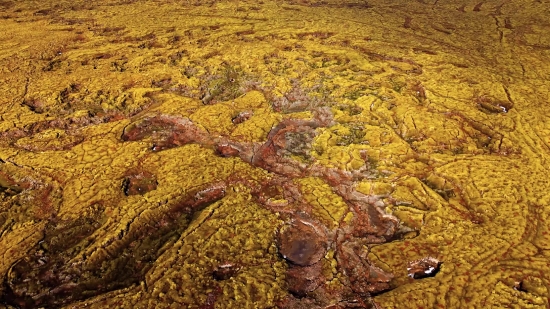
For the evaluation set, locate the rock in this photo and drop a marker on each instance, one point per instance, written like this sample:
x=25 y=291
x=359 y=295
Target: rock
x=302 y=243
x=225 y=271
x=302 y=280
x=139 y=183
x=425 y=267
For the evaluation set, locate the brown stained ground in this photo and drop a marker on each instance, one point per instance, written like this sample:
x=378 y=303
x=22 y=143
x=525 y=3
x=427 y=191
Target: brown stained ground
x=260 y=154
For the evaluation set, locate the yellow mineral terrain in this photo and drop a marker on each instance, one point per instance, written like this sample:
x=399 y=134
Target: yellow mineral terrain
x=275 y=154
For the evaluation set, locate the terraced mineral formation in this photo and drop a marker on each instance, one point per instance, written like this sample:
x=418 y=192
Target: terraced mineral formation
x=274 y=154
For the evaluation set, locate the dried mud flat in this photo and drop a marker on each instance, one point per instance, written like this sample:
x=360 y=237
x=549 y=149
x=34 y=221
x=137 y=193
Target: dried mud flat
x=274 y=154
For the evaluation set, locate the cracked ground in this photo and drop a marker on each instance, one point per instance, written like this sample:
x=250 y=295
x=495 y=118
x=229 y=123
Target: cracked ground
x=274 y=154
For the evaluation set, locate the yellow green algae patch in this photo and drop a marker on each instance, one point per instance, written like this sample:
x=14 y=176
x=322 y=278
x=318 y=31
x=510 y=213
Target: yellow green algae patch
x=328 y=207
x=151 y=151
x=333 y=147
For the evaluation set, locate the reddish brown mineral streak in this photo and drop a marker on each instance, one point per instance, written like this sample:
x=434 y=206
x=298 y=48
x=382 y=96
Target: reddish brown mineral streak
x=195 y=200
x=166 y=132
x=226 y=150
x=7 y=183
x=70 y=125
x=304 y=242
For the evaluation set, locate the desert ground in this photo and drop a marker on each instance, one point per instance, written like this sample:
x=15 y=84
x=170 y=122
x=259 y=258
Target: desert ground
x=275 y=154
